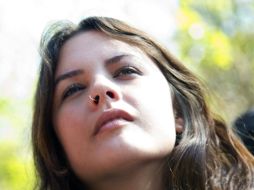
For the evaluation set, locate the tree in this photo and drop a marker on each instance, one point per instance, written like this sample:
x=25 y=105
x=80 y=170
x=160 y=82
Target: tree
x=216 y=40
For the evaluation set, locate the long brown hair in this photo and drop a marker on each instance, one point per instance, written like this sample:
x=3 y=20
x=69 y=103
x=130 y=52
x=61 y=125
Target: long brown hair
x=207 y=155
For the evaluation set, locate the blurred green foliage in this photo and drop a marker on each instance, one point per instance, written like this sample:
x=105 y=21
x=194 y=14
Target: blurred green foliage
x=216 y=40
x=15 y=172
x=16 y=168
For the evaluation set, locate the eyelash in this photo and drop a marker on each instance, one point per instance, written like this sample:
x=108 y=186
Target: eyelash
x=72 y=89
x=125 y=71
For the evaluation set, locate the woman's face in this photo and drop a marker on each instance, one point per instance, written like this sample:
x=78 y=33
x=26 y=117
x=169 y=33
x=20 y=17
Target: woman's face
x=112 y=106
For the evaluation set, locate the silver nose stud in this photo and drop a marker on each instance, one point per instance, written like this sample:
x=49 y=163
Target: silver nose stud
x=95 y=99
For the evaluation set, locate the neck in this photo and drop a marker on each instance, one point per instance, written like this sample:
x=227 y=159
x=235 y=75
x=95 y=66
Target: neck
x=145 y=177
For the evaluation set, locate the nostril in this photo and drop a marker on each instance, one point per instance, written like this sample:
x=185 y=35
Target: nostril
x=110 y=94
x=96 y=99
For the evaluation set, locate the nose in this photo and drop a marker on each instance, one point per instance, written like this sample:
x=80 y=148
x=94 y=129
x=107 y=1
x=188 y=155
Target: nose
x=103 y=91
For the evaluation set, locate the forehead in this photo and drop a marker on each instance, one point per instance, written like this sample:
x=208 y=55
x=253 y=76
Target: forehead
x=95 y=43
x=93 y=46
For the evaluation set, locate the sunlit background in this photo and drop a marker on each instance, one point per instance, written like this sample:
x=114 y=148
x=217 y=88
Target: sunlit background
x=214 y=38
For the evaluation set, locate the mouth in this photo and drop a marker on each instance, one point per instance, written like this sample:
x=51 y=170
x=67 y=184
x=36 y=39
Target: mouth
x=112 y=118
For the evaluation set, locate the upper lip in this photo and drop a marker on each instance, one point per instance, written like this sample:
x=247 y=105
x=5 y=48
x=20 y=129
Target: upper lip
x=110 y=115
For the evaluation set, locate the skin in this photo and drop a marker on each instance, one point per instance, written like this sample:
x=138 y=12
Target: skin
x=130 y=155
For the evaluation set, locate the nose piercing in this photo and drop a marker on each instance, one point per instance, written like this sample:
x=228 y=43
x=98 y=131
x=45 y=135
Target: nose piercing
x=95 y=99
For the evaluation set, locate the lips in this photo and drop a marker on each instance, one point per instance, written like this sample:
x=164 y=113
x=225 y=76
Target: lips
x=112 y=116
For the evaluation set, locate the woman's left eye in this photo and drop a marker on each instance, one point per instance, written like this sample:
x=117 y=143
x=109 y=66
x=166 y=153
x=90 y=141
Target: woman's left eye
x=126 y=71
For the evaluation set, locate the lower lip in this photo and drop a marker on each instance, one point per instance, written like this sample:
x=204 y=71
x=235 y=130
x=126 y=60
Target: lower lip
x=112 y=125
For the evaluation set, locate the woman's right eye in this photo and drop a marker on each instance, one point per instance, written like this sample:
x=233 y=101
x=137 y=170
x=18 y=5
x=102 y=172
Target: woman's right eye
x=72 y=89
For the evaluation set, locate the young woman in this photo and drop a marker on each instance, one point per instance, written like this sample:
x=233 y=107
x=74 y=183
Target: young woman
x=114 y=110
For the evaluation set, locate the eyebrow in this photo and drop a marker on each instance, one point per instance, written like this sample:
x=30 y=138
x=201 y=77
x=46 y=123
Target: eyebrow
x=116 y=59
x=74 y=73
x=69 y=74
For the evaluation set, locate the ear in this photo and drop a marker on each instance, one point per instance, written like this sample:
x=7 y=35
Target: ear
x=179 y=123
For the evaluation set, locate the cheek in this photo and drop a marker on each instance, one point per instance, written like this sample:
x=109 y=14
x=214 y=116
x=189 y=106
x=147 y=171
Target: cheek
x=154 y=99
x=72 y=127
x=154 y=103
